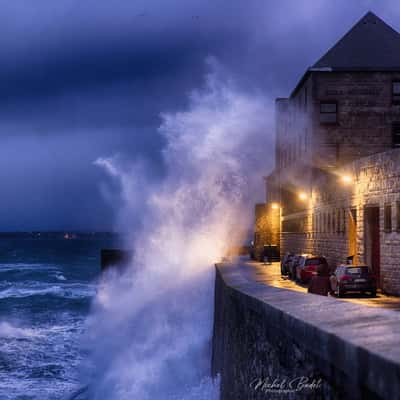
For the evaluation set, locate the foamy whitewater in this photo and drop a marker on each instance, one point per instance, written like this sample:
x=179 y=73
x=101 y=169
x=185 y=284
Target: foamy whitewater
x=46 y=289
x=68 y=333
x=149 y=336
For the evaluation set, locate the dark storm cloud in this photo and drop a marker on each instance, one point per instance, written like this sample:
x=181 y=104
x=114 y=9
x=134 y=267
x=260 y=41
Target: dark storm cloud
x=80 y=80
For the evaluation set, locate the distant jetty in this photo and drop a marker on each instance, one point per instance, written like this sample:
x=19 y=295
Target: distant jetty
x=115 y=258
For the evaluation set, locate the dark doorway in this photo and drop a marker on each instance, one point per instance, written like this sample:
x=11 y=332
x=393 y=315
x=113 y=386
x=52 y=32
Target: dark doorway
x=372 y=240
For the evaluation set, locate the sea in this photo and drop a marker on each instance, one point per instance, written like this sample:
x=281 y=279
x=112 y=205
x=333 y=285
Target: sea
x=47 y=284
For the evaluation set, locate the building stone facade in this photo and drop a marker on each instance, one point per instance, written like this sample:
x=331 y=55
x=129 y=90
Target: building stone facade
x=337 y=173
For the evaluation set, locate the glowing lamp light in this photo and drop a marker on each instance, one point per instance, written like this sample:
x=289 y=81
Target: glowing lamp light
x=275 y=206
x=347 y=179
x=303 y=196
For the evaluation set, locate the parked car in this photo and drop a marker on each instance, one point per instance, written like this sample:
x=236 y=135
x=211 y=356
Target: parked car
x=292 y=266
x=353 y=278
x=307 y=267
x=285 y=263
x=252 y=250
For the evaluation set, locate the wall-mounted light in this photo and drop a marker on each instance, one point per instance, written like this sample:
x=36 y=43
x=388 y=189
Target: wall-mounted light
x=275 y=206
x=347 y=179
x=302 y=196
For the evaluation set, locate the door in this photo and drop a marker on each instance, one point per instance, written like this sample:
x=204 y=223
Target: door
x=372 y=240
x=352 y=232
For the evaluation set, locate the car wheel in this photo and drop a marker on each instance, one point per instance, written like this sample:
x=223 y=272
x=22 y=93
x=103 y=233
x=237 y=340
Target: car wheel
x=373 y=293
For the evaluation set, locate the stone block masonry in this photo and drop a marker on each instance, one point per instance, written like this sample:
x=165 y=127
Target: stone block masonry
x=335 y=224
x=264 y=335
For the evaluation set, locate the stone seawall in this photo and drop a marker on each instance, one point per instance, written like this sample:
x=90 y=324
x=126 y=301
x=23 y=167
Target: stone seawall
x=264 y=335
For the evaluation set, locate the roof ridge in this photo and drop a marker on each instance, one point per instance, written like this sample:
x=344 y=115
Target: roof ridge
x=351 y=31
x=369 y=45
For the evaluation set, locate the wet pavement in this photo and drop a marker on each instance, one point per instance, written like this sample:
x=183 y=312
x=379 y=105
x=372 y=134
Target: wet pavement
x=270 y=274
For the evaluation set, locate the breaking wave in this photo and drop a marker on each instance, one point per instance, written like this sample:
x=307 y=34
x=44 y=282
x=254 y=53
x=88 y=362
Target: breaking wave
x=150 y=332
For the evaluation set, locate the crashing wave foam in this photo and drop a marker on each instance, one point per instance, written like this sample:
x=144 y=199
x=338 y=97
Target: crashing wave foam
x=10 y=331
x=72 y=291
x=25 y=266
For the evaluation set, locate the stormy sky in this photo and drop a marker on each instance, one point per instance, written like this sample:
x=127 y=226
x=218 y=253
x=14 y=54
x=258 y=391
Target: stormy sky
x=86 y=79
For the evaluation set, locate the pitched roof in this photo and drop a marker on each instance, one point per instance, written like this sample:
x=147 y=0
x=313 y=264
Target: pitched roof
x=370 y=45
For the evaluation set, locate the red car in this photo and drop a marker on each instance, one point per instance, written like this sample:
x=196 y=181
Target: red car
x=353 y=278
x=307 y=267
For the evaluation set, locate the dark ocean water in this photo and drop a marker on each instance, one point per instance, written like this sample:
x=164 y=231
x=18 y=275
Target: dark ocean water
x=46 y=288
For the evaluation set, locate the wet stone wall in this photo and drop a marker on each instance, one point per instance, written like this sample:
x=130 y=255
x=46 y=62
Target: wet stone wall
x=268 y=343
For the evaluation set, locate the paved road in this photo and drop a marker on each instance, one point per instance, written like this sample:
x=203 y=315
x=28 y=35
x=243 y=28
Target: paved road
x=271 y=275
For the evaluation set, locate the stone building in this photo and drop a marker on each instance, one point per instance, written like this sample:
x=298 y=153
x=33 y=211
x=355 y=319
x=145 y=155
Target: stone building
x=336 y=180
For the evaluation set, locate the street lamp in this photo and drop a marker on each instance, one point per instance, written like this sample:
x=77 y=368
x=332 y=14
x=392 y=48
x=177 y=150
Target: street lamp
x=302 y=196
x=347 y=179
x=275 y=206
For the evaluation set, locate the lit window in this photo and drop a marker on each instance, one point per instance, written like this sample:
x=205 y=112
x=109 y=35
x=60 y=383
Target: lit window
x=396 y=134
x=328 y=113
x=396 y=92
x=388 y=218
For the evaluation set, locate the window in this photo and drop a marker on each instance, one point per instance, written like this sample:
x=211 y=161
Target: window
x=328 y=113
x=398 y=216
x=305 y=97
x=388 y=218
x=396 y=92
x=343 y=221
x=396 y=134
x=305 y=139
x=299 y=148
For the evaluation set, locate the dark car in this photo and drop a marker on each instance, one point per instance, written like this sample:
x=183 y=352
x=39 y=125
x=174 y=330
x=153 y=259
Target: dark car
x=292 y=265
x=308 y=265
x=285 y=263
x=353 y=278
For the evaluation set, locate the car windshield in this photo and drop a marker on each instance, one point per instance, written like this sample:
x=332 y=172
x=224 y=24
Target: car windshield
x=315 y=261
x=357 y=270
